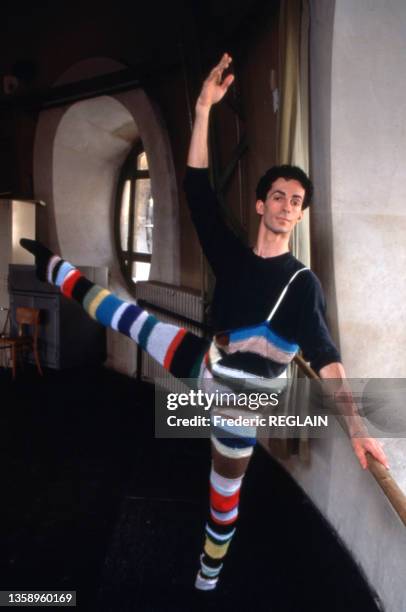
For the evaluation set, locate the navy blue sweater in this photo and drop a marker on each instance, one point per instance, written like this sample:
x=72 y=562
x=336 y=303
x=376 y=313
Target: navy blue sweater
x=248 y=286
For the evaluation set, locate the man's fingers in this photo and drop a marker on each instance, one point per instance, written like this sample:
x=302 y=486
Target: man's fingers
x=379 y=455
x=371 y=446
x=227 y=82
x=224 y=62
x=362 y=459
x=360 y=453
x=215 y=87
x=216 y=73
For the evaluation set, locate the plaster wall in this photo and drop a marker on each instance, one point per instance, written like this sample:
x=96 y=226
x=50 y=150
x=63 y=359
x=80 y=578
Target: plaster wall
x=5 y=253
x=368 y=128
x=359 y=512
x=359 y=252
x=79 y=151
x=17 y=220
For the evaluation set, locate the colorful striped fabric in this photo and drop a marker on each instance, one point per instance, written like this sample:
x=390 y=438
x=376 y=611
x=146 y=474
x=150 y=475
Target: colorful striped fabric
x=183 y=354
x=220 y=528
x=258 y=339
x=178 y=350
x=255 y=351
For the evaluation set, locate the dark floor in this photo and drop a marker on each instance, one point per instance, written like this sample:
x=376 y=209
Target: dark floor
x=92 y=502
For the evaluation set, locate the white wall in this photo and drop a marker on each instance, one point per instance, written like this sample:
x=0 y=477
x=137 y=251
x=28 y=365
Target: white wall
x=17 y=220
x=358 y=125
x=5 y=253
x=368 y=129
x=79 y=151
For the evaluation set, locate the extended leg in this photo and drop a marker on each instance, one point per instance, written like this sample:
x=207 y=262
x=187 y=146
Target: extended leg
x=178 y=350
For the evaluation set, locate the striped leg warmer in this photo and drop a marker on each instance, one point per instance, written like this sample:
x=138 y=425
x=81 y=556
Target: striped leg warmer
x=220 y=528
x=178 y=350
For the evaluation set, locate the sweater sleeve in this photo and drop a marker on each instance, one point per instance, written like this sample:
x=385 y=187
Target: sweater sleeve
x=219 y=243
x=313 y=335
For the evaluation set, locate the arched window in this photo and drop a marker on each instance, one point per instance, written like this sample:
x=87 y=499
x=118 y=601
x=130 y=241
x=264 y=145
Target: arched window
x=134 y=217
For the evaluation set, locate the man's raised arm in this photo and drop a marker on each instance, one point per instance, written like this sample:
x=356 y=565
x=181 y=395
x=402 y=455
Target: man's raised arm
x=213 y=90
x=219 y=243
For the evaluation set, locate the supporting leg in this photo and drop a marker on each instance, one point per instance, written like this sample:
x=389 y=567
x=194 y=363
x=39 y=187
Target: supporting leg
x=229 y=464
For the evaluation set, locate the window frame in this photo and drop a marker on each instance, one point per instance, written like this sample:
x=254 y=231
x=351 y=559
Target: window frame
x=129 y=171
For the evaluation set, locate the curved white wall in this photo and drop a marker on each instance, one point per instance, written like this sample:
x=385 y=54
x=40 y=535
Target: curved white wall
x=78 y=154
x=357 y=63
x=91 y=142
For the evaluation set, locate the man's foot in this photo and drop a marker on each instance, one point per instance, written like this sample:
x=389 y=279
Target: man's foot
x=205 y=584
x=42 y=256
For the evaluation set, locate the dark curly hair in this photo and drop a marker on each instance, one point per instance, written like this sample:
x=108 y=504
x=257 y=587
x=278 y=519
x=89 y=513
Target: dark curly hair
x=287 y=172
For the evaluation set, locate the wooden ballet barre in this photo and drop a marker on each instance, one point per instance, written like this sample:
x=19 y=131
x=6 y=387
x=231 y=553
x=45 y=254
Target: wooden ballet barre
x=382 y=476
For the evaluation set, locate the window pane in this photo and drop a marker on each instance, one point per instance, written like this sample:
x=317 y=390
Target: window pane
x=144 y=220
x=142 y=162
x=140 y=271
x=137 y=186
x=124 y=214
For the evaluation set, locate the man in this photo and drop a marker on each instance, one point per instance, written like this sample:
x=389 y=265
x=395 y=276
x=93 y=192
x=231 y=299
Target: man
x=249 y=284
x=265 y=288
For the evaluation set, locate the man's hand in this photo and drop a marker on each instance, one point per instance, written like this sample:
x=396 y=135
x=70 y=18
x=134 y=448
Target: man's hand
x=214 y=87
x=360 y=440
x=362 y=446
x=213 y=90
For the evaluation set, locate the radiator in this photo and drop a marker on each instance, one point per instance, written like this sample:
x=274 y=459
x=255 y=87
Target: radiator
x=177 y=302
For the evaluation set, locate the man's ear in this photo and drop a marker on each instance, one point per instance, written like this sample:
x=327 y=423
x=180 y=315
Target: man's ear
x=259 y=207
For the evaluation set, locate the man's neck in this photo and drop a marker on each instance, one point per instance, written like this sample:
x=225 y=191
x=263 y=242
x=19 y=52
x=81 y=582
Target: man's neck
x=271 y=245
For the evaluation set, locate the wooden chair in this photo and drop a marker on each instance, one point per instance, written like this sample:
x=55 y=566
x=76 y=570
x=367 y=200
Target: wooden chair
x=22 y=343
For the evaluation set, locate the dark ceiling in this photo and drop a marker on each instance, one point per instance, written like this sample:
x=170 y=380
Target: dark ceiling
x=41 y=33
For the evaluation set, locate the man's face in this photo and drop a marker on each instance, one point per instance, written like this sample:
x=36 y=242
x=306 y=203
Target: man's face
x=282 y=208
